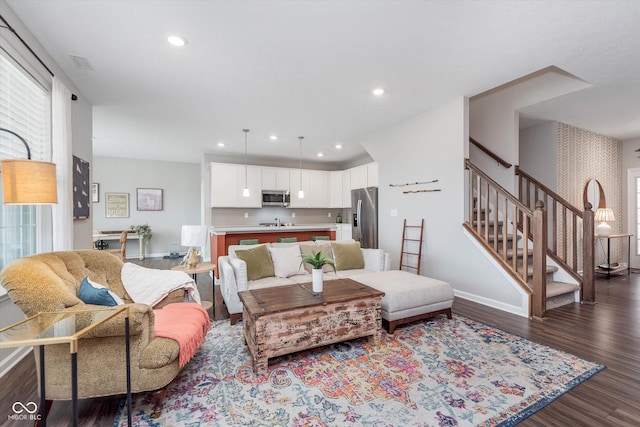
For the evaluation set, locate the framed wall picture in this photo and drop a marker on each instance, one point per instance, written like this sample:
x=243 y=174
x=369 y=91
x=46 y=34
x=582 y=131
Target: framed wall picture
x=149 y=199
x=95 y=192
x=80 y=188
x=117 y=205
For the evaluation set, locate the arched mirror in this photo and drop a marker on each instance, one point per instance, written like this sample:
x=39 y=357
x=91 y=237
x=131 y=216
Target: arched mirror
x=594 y=194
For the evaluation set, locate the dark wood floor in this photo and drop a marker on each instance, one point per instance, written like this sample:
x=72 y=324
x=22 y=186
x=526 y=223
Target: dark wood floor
x=607 y=333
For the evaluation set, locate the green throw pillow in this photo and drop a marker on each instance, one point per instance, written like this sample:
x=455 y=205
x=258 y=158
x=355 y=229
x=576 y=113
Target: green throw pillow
x=347 y=255
x=258 y=261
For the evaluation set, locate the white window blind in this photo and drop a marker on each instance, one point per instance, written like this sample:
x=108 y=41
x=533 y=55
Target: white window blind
x=24 y=109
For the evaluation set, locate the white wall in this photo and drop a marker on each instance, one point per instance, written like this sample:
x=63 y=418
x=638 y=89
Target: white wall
x=81 y=121
x=539 y=153
x=181 y=187
x=630 y=160
x=433 y=146
x=494 y=117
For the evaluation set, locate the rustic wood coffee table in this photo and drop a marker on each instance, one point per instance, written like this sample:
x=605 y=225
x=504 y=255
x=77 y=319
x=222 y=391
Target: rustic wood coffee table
x=286 y=319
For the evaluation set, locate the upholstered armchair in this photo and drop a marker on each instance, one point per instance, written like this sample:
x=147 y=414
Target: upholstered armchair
x=50 y=282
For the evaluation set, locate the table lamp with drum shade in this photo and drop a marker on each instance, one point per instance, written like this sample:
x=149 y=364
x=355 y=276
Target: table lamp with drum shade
x=604 y=216
x=193 y=236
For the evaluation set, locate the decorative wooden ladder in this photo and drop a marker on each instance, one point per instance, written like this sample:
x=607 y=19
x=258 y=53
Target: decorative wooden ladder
x=406 y=253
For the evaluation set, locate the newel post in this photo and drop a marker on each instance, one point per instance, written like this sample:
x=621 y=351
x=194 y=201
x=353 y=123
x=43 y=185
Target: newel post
x=539 y=301
x=588 y=290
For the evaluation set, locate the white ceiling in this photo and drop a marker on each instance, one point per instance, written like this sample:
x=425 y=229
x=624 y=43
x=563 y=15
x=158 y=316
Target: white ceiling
x=307 y=67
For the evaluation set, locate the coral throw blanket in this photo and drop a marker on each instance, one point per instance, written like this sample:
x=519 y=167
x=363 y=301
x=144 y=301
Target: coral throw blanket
x=187 y=323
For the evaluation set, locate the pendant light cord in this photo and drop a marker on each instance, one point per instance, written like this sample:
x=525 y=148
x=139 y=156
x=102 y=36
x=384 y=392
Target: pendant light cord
x=246 y=181
x=300 y=138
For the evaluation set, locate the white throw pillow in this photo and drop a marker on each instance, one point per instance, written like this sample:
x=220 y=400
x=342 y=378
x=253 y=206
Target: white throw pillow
x=286 y=260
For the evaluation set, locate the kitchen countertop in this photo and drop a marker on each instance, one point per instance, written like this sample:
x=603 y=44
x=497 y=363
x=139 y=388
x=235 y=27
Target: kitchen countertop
x=265 y=229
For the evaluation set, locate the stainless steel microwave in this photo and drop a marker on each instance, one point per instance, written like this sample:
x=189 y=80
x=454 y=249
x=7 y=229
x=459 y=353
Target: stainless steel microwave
x=275 y=198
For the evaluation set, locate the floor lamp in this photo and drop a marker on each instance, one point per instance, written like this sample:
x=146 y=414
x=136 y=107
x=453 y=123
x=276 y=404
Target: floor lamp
x=28 y=182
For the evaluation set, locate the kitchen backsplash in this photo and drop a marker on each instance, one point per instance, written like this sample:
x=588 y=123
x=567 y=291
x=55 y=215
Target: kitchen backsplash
x=225 y=217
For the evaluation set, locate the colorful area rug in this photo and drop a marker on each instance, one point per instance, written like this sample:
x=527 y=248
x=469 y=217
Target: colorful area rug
x=434 y=373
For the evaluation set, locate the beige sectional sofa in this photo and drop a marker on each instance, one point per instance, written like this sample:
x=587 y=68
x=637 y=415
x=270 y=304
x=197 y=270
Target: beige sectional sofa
x=285 y=268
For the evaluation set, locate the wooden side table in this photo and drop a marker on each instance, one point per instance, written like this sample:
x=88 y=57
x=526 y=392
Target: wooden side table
x=203 y=267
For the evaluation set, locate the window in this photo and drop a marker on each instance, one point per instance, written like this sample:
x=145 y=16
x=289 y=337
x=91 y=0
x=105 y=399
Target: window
x=25 y=108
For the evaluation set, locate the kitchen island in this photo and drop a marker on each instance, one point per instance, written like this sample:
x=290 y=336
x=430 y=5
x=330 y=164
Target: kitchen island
x=223 y=237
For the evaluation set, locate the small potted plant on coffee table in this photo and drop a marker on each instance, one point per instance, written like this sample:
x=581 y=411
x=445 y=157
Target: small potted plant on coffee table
x=317 y=261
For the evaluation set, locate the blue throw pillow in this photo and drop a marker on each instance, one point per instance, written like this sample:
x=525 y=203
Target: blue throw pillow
x=93 y=295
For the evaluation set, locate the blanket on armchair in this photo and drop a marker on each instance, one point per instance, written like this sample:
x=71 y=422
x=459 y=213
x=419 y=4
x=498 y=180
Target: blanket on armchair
x=186 y=323
x=149 y=285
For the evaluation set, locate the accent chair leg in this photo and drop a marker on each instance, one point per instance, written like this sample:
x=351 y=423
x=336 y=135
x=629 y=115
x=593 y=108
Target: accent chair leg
x=158 y=402
x=235 y=317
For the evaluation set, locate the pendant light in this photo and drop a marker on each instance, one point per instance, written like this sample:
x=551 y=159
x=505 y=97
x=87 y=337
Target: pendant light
x=300 y=192
x=245 y=192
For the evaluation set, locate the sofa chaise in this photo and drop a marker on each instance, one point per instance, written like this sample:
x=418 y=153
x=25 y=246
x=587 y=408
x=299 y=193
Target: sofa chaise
x=278 y=264
x=408 y=297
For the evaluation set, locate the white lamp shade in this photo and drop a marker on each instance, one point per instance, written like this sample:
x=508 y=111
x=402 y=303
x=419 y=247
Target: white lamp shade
x=604 y=215
x=300 y=194
x=193 y=235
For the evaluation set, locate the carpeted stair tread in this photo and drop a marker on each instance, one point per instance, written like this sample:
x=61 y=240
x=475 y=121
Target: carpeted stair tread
x=550 y=270
x=559 y=288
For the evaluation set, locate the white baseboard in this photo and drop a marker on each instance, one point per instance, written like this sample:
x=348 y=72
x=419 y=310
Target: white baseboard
x=520 y=311
x=12 y=360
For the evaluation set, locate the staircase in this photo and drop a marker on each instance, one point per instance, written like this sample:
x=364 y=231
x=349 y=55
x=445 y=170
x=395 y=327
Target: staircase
x=520 y=236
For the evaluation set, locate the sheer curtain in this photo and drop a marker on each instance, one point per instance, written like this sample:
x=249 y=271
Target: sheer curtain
x=61 y=155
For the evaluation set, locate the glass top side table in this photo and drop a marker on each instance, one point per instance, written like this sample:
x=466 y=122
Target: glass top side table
x=63 y=327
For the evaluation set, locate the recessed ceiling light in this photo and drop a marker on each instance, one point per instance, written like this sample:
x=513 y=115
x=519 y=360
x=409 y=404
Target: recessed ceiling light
x=320 y=154
x=177 y=40
x=273 y=137
x=378 y=91
x=220 y=144
x=338 y=146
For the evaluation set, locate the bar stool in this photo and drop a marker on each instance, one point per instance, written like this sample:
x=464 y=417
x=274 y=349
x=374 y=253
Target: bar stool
x=314 y=238
x=248 y=242
x=287 y=239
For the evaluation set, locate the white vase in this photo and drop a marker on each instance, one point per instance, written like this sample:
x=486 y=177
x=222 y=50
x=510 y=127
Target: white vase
x=316 y=280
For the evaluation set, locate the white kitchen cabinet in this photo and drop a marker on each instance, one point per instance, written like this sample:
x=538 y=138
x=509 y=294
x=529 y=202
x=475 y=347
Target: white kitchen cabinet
x=343 y=232
x=336 y=191
x=253 y=182
x=228 y=182
x=275 y=179
x=294 y=186
x=223 y=185
x=318 y=188
x=372 y=174
x=346 y=189
x=358 y=177
x=364 y=176
x=315 y=185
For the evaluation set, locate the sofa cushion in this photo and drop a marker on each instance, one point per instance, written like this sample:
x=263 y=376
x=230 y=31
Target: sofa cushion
x=286 y=260
x=320 y=246
x=91 y=292
x=233 y=248
x=347 y=255
x=258 y=262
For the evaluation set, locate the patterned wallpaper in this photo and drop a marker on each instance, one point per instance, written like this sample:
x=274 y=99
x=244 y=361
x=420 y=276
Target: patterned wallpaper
x=585 y=155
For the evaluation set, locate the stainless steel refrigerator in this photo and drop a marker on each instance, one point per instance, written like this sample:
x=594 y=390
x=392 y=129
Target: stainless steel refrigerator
x=364 y=208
